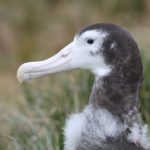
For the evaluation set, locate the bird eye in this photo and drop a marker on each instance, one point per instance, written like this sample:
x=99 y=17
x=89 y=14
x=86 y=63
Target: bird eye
x=90 y=41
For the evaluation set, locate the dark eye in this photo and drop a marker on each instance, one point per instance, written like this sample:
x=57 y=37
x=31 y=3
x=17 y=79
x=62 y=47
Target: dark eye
x=90 y=41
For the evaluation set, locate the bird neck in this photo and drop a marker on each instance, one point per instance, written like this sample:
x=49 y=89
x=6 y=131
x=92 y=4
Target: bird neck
x=116 y=95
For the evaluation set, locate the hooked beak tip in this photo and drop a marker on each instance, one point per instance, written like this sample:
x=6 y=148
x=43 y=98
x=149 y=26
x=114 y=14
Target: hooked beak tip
x=21 y=73
x=57 y=63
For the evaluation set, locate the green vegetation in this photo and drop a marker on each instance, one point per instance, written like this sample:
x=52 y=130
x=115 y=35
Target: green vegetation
x=39 y=125
x=145 y=92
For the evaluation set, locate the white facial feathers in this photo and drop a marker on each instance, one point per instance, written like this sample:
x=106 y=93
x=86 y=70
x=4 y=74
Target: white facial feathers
x=98 y=38
x=90 y=54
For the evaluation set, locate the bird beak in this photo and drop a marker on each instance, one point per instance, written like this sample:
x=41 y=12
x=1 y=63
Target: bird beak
x=57 y=63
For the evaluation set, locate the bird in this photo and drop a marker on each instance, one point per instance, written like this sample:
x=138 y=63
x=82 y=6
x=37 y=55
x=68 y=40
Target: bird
x=111 y=120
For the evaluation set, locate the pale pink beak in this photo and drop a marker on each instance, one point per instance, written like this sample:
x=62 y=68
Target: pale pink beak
x=57 y=63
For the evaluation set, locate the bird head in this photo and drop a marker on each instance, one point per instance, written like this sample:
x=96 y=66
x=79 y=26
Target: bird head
x=100 y=48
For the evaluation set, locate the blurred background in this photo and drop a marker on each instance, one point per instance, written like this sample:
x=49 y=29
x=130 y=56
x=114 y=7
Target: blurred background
x=32 y=114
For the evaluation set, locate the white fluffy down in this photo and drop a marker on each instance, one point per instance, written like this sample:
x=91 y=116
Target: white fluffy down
x=73 y=129
x=139 y=135
x=93 y=124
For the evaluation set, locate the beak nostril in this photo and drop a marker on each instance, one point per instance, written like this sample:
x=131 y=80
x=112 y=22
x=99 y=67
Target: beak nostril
x=64 y=54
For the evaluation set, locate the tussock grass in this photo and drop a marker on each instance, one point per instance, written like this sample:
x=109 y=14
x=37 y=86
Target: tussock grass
x=38 y=125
